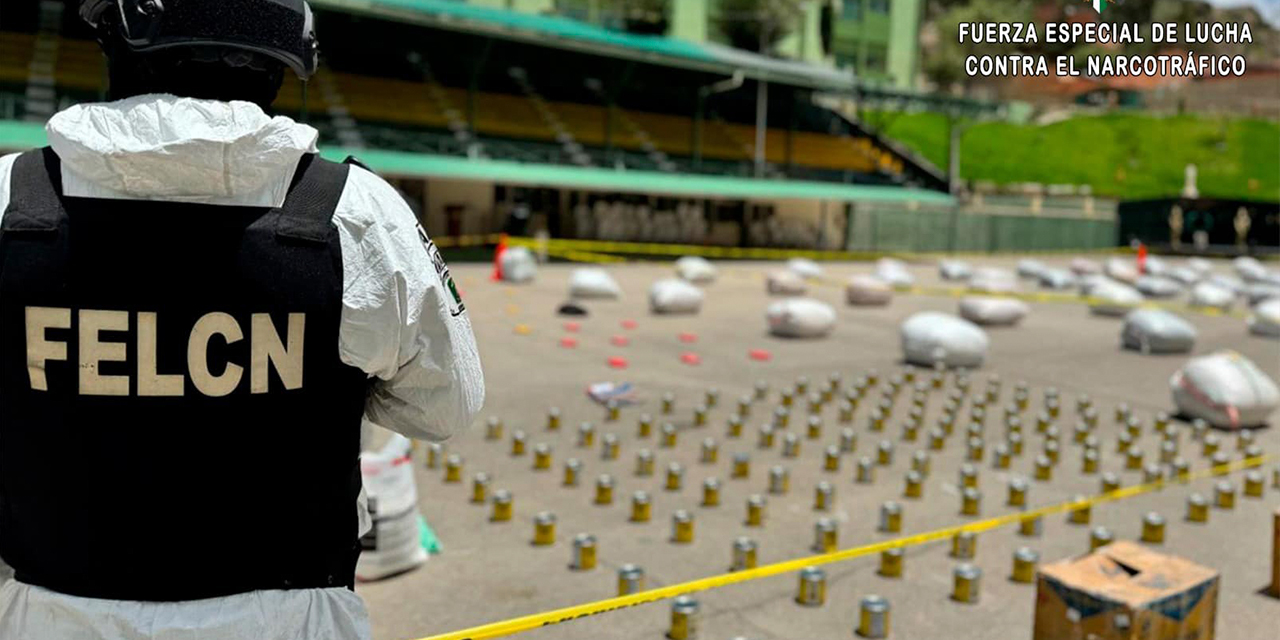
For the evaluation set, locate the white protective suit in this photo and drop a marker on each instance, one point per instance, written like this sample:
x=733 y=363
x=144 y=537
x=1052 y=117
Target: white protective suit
x=396 y=325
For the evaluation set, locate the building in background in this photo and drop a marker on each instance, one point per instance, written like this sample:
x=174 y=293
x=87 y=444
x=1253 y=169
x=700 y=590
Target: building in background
x=876 y=39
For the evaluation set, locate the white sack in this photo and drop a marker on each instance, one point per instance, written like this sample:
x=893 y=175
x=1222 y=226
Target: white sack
x=993 y=280
x=1113 y=298
x=1200 y=266
x=930 y=337
x=954 y=270
x=1121 y=269
x=805 y=268
x=518 y=265
x=1259 y=291
x=394 y=544
x=1265 y=318
x=1208 y=294
x=993 y=311
x=674 y=295
x=1084 y=266
x=1249 y=268
x=1157 y=331
x=1157 y=286
x=865 y=290
x=1226 y=389
x=696 y=269
x=1155 y=266
x=1030 y=268
x=894 y=272
x=1057 y=279
x=1185 y=275
x=785 y=282
x=800 y=318
x=593 y=282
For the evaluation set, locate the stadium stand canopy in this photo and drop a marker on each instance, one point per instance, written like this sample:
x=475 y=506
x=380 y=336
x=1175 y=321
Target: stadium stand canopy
x=571 y=34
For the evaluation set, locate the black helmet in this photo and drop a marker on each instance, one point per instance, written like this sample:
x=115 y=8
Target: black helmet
x=280 y=29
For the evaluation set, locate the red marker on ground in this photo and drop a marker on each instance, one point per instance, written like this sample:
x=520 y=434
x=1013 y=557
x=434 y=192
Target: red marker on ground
x=568 y=342
x=688 y=337
x=572 y=327
x=620 y=341
x=689 y=357
x=629 y=324
x=760 y=354
x=618 y=362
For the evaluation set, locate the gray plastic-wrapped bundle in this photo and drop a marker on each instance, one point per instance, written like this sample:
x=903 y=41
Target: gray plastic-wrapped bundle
x=954 y=270
x=785 y=282
x=805 y=268
x=1264 y=319
x=1110 y=298
x=993 y=280
x=1225 y=389
x=1087 y=283
x=1157 y=286
x=930 y=337
x=894 y=272
x=1121 y=269
x=1155 y=266
x=1211 y=296
x=1057 y=279
x=1249 y=268
x=1083 y=266
x=1157 y=331
x=1236 y=285
x=800 y=318
x=1185 y=275
x=1200 y=266
x=696 y=269
x=1258 y=291
x=673 y=295
x=1030 y=268
x=991 y=311
x=865 y=290
x=593 y=282
x=518 y=265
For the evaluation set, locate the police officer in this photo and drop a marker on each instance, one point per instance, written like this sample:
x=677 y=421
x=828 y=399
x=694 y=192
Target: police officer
x=197 y=312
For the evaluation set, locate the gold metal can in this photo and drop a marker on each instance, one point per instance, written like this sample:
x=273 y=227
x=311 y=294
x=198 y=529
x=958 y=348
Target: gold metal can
x=641 y=507
x=812 y=591
x=682 y=527
x=544 y=529
x=1024 y=565
x=891 y=562
x=501 y=506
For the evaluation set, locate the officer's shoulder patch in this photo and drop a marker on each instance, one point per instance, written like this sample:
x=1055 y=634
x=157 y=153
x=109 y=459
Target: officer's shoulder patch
x=456 y=307
x=357 y=162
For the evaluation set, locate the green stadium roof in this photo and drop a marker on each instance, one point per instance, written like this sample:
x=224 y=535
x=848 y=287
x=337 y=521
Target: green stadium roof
x=26 y=135
x=567 y=33
x=398 y=163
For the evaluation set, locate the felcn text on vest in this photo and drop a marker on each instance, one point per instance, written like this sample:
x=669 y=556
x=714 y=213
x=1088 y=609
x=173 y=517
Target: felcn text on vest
x=266 y=349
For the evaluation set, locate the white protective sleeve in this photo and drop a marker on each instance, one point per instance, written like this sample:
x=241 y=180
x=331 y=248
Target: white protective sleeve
x=402 y=320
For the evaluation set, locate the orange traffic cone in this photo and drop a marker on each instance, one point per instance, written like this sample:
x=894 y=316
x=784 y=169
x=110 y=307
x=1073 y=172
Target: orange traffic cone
x=1142 y=258
x=497 y=258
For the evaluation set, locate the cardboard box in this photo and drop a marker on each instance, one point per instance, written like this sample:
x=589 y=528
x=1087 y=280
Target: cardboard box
x=1125 y=591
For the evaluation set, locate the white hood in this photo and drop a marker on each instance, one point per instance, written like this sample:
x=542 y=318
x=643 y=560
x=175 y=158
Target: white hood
x=162 y=147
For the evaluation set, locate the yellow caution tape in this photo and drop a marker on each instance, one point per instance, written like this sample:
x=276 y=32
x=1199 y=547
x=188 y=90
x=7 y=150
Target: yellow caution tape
x=569 y=614
x=583 y=256
x=753 y=253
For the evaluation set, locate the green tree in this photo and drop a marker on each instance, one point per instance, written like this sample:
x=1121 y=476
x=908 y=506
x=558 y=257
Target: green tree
x=757 y=25
x=944 y=60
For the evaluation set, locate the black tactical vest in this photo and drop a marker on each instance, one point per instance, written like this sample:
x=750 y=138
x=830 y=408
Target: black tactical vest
x=175 y=420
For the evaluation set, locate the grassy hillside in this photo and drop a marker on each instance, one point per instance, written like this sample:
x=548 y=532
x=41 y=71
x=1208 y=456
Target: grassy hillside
x=1121 y=155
